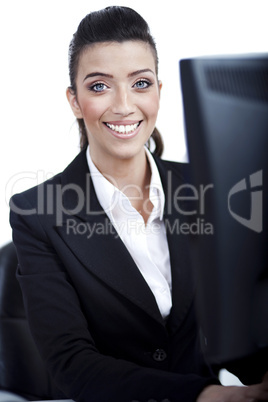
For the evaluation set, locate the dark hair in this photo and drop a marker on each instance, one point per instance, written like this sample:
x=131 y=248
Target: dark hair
x=112 y=24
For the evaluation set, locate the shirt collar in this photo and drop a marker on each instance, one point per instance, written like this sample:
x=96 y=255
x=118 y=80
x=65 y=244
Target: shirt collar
x=157 y=195
x=106 y=192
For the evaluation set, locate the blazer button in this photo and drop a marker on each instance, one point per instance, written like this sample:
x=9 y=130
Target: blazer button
x=159 y=355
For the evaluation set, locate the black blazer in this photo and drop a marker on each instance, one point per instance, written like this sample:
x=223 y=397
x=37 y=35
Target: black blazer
x=92 y=315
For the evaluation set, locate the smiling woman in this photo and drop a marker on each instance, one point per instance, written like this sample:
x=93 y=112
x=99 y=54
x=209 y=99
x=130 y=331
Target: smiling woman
x=106 y=279
x=90 y=32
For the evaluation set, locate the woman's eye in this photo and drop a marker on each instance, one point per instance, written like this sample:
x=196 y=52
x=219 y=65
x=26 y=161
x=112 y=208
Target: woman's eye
x=142 y=84
x=98 y=87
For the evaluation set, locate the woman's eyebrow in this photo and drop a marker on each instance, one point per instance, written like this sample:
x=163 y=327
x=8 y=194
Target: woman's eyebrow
x=95 y=74
x=99 y=74
x=144 y=70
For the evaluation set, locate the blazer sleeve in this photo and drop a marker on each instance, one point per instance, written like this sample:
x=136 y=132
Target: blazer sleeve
x=63 y=338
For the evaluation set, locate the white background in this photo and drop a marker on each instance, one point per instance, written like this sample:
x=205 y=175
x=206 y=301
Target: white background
x=38 y=134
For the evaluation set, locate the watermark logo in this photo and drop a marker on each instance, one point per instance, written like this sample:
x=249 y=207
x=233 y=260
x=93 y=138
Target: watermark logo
x=187 y=200
x=255 y=222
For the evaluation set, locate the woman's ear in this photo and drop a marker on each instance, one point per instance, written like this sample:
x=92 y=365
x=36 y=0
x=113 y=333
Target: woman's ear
x=73 y=103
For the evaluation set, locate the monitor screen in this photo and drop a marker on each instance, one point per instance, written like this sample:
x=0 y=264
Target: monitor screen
x=225 y=101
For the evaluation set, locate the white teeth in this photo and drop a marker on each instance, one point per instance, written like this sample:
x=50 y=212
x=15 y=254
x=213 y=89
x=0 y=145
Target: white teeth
x=123 y=129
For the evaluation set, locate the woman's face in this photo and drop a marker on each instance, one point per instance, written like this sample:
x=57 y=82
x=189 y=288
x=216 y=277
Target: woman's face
x=118 y=98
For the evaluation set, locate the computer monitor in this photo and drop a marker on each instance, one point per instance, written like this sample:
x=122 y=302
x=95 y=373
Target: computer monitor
x=225 y=101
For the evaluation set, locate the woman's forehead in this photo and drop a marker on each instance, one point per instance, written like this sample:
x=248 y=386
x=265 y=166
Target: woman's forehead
x=127 y=55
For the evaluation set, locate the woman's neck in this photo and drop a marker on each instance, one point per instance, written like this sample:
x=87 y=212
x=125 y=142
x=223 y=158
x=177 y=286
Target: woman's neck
x=125 y=173
x=132 y=177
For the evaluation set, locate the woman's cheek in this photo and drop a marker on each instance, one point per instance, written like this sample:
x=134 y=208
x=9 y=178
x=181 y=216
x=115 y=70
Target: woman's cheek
x=92 y=110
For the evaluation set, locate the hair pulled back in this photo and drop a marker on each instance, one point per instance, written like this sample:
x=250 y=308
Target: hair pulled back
x=112 y=24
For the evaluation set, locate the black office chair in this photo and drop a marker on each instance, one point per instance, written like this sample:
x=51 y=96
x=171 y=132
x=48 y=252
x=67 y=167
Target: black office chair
x=22 y=371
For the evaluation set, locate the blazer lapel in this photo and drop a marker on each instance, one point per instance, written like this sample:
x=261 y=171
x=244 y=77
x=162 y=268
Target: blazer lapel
x=88 y=232
x=179 y=244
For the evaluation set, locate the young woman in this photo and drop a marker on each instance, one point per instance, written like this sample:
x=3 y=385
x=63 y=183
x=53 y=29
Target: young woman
x=106 y=279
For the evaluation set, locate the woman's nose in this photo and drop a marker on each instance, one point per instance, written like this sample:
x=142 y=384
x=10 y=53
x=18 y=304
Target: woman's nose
x=122 y=102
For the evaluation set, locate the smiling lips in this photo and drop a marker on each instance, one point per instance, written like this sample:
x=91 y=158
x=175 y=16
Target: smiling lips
x=125 y=129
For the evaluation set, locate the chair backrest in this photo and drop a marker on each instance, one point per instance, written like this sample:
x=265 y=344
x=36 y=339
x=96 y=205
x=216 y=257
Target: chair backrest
x=21 y=368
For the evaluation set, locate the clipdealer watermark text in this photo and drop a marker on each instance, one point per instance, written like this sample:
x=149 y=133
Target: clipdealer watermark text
x=131 y=227
x=50 y=201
